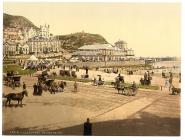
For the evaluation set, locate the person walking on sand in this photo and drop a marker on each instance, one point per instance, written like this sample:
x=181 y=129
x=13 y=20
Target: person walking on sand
x=62 y=86
x=35 y=89
x=170 y=83
x=86 y=70
x=24 y=86
x=133 y=88
x=75 y=86
x=145 y=78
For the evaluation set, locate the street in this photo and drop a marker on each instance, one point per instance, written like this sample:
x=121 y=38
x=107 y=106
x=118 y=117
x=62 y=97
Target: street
x=147 y=113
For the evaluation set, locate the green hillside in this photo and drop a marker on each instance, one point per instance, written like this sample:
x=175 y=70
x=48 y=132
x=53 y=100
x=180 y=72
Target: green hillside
x=20 y=21
x=72 y=42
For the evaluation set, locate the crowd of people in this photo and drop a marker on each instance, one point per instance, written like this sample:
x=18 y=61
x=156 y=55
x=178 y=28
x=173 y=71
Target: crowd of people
x=119 y=80
x=147 y=79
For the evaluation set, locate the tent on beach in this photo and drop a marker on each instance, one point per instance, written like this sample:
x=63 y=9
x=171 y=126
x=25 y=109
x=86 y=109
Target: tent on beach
x=33 y=58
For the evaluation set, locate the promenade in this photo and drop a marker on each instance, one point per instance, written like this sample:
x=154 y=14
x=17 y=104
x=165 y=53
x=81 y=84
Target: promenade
x=148 y=113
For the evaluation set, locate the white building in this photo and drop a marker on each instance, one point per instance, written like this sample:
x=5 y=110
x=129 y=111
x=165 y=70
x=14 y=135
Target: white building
x=43 y=45
x=9 y=49
x=25 y=48
x=122 y=45
x=44 y=31
x=29 y=33
x=5 y=49
x=12 y=34
x=32 y=32
x=102 y=52
x=43 y=41
x=99 y=52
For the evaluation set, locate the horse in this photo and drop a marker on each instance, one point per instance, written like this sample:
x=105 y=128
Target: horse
x=120 y=86
x=16 y=96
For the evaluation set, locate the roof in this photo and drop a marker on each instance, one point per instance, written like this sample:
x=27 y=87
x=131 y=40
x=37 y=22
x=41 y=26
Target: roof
x=85 y=53
x=97 y=47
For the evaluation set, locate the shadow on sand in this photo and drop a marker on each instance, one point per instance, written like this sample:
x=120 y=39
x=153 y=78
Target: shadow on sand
x=147 y=125
x=14 y=105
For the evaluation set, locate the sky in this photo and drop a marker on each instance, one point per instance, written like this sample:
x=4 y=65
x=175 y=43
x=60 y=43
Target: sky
x=150 y=29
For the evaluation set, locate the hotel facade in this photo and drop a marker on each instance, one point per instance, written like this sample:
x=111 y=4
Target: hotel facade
x=18 y=41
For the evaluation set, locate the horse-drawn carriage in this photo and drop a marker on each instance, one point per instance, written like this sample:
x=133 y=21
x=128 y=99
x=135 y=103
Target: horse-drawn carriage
x=17 y=80
x=14 y=96
x=12 y=81
x=127 y=90
x=48 y=82
x=119 y=79
x=98 y=82
x=55 y=86
x=42 y=78
x=65 y=73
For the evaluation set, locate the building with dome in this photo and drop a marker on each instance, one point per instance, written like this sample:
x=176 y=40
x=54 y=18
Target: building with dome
x=103 y=52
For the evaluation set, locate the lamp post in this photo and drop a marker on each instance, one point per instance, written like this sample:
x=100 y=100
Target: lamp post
x=105 y=55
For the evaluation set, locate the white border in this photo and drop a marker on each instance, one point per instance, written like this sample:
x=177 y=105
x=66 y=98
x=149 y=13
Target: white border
x=109 y=137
